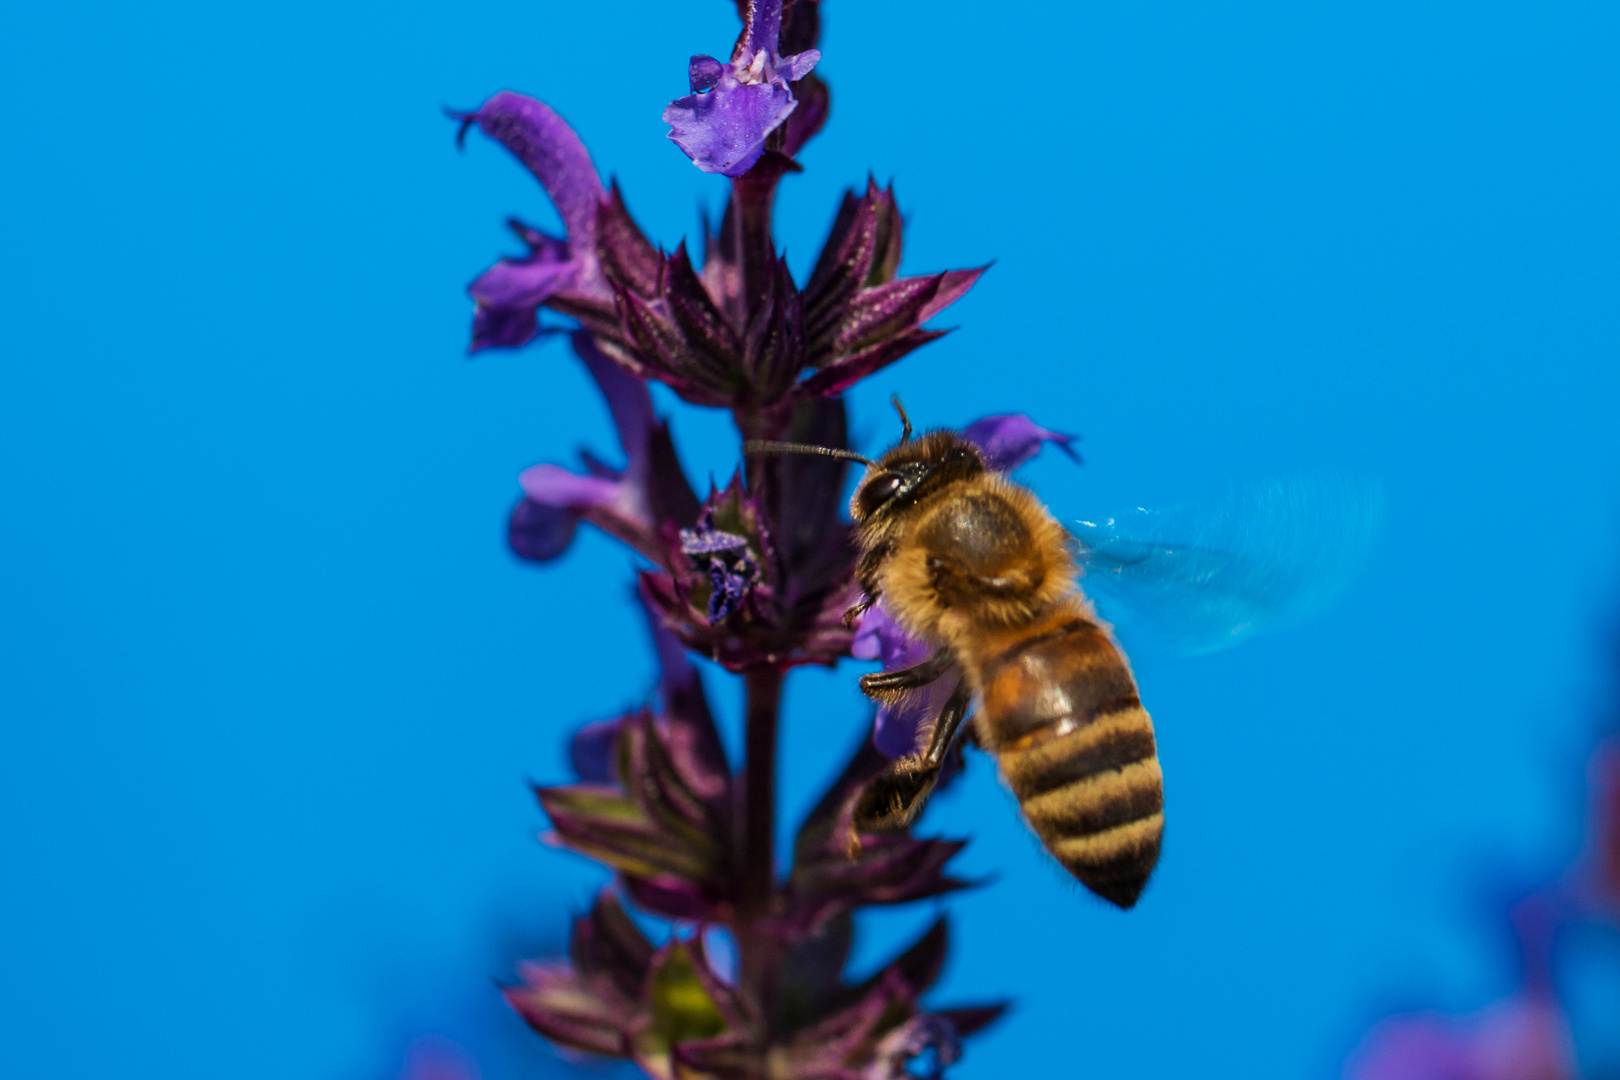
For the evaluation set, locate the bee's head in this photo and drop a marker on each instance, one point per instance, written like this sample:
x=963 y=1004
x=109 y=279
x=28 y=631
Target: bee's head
x=913 y=470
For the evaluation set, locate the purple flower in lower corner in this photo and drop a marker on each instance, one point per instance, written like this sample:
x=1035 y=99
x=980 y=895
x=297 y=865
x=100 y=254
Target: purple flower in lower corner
x=508 y=295
x=722 y=124
x=1525 y=1038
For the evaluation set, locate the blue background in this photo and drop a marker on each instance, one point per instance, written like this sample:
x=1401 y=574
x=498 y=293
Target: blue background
x=270 y=684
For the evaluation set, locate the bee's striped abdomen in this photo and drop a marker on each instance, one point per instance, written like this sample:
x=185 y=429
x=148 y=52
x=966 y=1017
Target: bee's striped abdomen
x=1076 y=747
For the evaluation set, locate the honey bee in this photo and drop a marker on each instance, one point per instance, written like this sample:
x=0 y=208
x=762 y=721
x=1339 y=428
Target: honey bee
x=974 y=564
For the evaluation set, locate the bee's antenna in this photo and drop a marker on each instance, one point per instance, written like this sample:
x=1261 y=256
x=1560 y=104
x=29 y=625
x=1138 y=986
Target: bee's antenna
x=763 y=446
x=905 y=436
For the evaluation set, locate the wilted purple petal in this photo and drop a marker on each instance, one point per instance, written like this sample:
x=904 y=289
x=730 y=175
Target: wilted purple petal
x=1009 y=440
x=539 y=532
x=551 y=150
x=702 y=72
x=591 y=750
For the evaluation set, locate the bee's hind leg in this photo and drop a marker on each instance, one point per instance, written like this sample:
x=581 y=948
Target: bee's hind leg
x=896 y=797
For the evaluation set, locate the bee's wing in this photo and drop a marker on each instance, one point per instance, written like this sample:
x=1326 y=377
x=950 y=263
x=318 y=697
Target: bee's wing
x=1203 y=577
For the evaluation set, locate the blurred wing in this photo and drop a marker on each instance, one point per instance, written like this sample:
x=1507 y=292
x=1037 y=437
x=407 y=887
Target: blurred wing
x=1204 y=577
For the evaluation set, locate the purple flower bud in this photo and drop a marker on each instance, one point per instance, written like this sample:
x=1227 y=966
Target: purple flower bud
x=723 y=123
x=1009 y=440
x=702 y=72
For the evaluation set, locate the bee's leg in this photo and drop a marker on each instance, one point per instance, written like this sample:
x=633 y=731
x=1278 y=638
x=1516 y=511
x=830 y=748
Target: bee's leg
x=896 y=796
x=946 y=727
x=883 y=683
x=855 y=612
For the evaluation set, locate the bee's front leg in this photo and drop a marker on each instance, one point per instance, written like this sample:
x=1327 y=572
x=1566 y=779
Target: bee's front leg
x=882 y=684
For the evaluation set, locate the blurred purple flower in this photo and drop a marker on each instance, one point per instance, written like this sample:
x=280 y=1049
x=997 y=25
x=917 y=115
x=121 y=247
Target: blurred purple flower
x=1522 y=1038
x=722 y=124
x=508 y=295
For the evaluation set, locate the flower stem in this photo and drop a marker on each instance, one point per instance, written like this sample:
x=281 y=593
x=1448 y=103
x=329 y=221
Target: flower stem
x=757 y=961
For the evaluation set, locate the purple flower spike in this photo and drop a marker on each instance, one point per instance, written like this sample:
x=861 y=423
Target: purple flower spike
x=723 y=123
x=509 y=293
x=1010 y=440
x=732 y=570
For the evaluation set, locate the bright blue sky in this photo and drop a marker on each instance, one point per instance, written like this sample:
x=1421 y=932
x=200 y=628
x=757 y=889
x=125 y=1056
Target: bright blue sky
x=271 y=684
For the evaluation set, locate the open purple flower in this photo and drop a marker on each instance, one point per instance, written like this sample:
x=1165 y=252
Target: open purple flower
x=722 y=124
x=508 y=295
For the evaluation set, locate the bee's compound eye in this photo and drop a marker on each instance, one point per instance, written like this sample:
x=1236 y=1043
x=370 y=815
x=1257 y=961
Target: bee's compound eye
x=875 y=492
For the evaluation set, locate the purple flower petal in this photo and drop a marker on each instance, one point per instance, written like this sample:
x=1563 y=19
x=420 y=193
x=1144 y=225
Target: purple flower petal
x=702 y=72
x=764 y=29
x=541 y=533
x=553 y=485
x=509 y=293
x=879 y=637
x=795 y=67
x=1009 y=440
x=723 y=131
x=551 y=150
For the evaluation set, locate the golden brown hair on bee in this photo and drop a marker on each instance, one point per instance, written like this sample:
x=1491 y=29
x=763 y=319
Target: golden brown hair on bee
x=974 y=564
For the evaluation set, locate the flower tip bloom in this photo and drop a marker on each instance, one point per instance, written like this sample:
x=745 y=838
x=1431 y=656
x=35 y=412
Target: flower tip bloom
x=722 y=124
